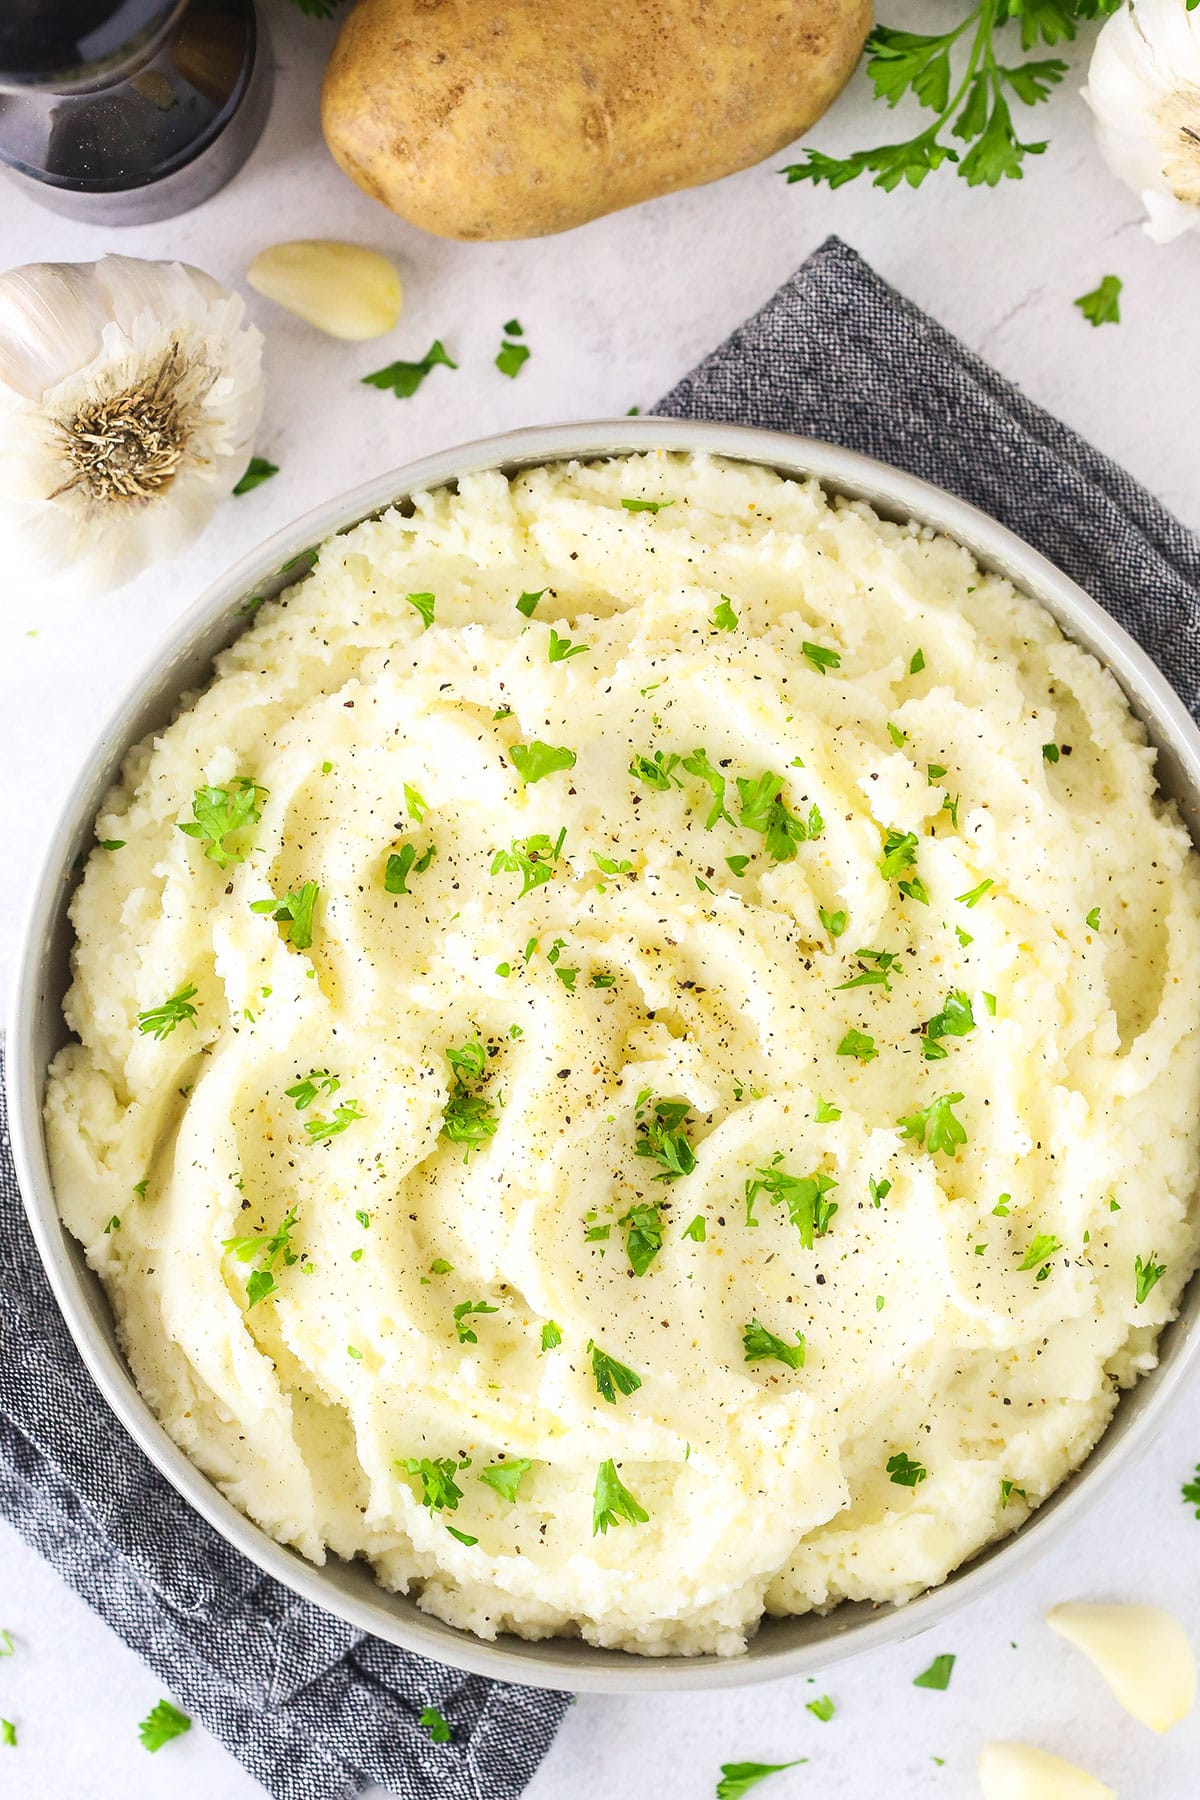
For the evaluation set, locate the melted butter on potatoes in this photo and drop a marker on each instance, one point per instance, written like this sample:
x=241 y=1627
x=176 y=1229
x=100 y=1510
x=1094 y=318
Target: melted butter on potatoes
x=816 y=1155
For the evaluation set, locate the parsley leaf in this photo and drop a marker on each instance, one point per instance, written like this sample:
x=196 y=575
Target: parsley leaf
x=875 y=969
x=562 y=649
x=217 y=813
x=935 y=1126
x=661 y=1139
x=344 y=1115
x=469 y=1117
x=435 y=1724
x=551 y=1336
x=162 y=1723
x=762 y=810
x=834 y=922
x=821 y=659
x=511 y=358
x=644 y=1228
x=611 y=865
x=533 y=858
x=650 y=506
x=8 y=1734
x=405 y=862
x=424 y=604
x=860 y=1045
x=295 y=909
x=533 y=762
x=697 y=1231
x=612 y=1501
x=956 y=1019
x=1191 y=1492
x=738 y=1778
x=304 y=1092
x=899 y=854
x=265 y=1250
x=612 y=1377
x=162 y=1020
x=1008 y=1488
x=404 y=378
x=1103 y=305
x=1146 y=1274
x=724 y=618
x=440 y=1492
x=258 y=470
x=822 y=1709
x=463 y=1312
x=937 y=1675
x=904 y=1472
x=974 y=895
x=1092 y=921
x=1038 y=1253
x=762 y=1345
x=656 y=771
x=506 y=1477
x=802 y=1195
x=697 y=764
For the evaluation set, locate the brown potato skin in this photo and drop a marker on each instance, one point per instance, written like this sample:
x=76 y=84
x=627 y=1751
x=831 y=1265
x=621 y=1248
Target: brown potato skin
x=480 y=119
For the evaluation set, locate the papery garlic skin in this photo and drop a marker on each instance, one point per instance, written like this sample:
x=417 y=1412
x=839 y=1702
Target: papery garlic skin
x=1142 y=1652
x=342 y=289
x=1144 y=90
x=130 y=392
x=1021 y=1772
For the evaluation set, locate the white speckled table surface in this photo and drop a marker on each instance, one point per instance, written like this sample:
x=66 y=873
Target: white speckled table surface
x=614 y=314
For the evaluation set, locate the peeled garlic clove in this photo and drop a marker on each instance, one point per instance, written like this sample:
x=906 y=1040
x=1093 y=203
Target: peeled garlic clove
x=1019 y=1772
x=340 y=288
x=1142 y=1653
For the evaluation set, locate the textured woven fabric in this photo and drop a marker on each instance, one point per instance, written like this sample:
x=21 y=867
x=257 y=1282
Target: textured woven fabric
x=313 y=1708
x=838 y=354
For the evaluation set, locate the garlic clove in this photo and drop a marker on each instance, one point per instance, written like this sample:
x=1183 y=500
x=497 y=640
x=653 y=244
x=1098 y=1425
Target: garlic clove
x=342 y=289
x=1143 y=1654
x=1019 y=1772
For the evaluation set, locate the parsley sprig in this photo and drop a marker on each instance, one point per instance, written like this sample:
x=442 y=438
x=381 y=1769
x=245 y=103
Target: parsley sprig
x=660 y=1137
x=265 y=1250
x=935 y=1126
x=295 y=910
x=532 y=858
x=612 y=1502
x=762 y=1345
x=220 y=812
x=162 y=1723
x=162 y=1020
x=469 y=1117
x=803 y=1196
x=971 y=102
x=612 y=1377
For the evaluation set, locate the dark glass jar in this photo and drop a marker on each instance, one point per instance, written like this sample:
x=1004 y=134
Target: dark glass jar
x=125 y=111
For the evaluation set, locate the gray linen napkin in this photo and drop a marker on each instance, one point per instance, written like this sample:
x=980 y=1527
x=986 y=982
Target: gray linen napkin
x=313 y=1708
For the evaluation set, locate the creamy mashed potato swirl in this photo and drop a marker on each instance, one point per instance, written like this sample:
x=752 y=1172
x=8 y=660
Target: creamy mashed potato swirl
x=818 y=964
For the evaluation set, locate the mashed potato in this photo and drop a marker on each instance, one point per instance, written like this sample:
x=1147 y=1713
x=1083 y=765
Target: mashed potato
x=637 y=1056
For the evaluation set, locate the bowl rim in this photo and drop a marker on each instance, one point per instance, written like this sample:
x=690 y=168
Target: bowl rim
x=564 y=1662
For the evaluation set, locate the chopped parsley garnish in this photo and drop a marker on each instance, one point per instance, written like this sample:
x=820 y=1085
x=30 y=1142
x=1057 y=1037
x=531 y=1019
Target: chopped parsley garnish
x=935 y=1126
x=834 y=922
x=643 y=1225
x=737 y=865
x=826 y=1111
x=738 y=1778
x=7 y=1647
x=506 y=1477
x=258 y=470
x=1145 y=1275
x=697 y=1231
x=296 y=909
x=1102 y=306
x=974 y=895
x=876 y=967
x=1038 y=1253
x=724 y=618
x=656 y=771
x=762 y=810
x=860 y=1045
x=934 y=772
x=603 y=981
x=650 y=506
x=162 y=1020
x=424 y=604
x=1093 y=919
x=435 y=1724
x=551 y=1336
x=956 y=1019
x=822 y=1709
x=114 y=1224
x=917 y=663
x=405 y=862
x=661 y=1139
x=899 y=854
x=469 y=1117
x=1050 y=753
x=533 y=858
x=439 y=1266
x=526 y=605
x=821 y=659
x=612 y=1377
x=416 y=803
x=511 y=358
x=1008 y=1489
x=112 y=843
x=304 y=1092
x=217 y=813
x=897 y=736
x=561 y=649
x=465 y=1310
x=265 y=1250
x=1191 y=1492
x=698 y=764
x=879 y=1190
x=612 y=1502
x=464 y=1537
x=162 y=1723
x=803 y=1195
x=611 y=865
x=344 y=1115
x=533 y=762
x=8 y=1734
x=440 y=1492
x=597 y=1234
x=404 y=378
x=905 y=1472
x=937 y=1675
x=762 y=1345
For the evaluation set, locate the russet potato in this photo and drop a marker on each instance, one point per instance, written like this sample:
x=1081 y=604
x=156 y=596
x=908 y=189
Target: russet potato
x=513 y=118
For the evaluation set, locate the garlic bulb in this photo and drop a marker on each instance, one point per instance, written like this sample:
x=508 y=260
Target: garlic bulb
x=129 y=396
x=1144 y=89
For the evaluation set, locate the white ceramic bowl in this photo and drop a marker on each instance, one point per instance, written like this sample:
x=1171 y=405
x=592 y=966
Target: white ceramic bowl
x=783 y=1646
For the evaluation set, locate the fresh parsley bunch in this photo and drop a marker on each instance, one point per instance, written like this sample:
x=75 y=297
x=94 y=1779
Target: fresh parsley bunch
x=957 y=75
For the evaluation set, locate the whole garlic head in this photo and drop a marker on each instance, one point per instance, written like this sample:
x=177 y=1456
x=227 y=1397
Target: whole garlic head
x=1144 y=89
x=130 y=392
